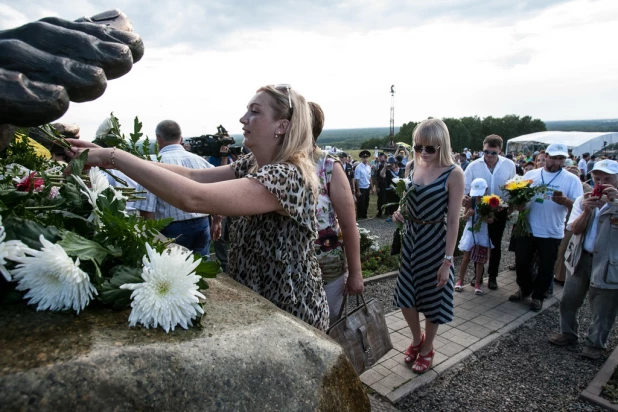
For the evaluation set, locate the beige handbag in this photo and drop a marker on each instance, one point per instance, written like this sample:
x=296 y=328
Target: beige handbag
x=362 y=333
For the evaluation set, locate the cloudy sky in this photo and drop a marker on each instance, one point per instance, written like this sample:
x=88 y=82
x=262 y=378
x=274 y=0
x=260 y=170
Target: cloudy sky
x=550 y=59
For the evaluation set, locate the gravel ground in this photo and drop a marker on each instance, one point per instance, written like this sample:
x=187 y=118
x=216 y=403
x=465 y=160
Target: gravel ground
x=520 y=371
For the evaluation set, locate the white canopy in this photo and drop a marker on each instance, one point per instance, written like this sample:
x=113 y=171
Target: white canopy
x=578 y=142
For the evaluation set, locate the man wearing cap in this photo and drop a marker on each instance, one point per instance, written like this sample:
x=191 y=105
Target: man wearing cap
x=583 y=166
x=495 y=170
x=347 y=168
x=547 y=212
x=592 y=263
x=362 y=176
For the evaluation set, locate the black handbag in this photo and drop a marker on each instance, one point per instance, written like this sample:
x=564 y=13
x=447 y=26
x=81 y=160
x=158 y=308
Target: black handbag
x=362 y=333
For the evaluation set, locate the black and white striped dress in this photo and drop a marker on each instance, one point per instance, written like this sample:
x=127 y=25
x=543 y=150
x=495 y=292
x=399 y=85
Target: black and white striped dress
x=423 y=249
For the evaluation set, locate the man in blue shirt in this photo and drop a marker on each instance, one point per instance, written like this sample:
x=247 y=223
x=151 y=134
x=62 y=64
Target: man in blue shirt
x=191 y=230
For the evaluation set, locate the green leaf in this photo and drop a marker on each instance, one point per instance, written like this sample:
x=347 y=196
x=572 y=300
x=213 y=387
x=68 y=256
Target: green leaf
x=85 y=249
x=77 y=163
x=110 y=292
x=208 y=268
x=28 y=231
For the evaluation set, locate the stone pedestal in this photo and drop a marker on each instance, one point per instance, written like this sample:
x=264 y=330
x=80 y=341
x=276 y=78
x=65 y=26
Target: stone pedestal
x=248 y=356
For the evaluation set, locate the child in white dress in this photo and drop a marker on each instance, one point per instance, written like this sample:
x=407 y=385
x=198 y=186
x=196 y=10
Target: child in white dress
x=475 y=245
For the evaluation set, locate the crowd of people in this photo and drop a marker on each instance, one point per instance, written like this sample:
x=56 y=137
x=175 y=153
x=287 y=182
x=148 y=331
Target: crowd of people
x=289 y=208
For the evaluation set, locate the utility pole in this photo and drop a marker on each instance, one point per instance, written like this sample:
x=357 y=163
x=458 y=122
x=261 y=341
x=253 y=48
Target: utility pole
x=392 y=132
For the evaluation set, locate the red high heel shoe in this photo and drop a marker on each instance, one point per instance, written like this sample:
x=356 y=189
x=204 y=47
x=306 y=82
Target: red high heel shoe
x=423 y=362
x=413 y=351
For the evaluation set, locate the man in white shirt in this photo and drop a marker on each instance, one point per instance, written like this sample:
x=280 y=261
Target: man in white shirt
x=591 y=263
x=546 y=214
x=583 y=166
x=191 y=230
x=362 y=176
x=495 y=170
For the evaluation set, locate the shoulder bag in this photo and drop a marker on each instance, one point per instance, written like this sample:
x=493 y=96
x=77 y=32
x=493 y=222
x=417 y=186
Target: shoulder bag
x=362 y=333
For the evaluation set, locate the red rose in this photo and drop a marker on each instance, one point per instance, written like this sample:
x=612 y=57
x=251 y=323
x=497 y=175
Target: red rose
x=26 y=182
x=494 y=202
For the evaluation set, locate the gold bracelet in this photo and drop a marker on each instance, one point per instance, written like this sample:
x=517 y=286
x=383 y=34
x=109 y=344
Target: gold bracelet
x=112 y=156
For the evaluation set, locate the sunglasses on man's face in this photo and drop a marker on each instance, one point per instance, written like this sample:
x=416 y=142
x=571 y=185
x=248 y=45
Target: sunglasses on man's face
x=428 y=149
x=487 y=152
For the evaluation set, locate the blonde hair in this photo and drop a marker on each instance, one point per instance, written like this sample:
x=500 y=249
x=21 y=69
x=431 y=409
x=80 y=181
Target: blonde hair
x=297 y=142
x=433 y=132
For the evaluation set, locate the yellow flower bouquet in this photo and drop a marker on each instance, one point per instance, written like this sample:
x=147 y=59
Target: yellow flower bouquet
x=486 y=209
x=519 y=192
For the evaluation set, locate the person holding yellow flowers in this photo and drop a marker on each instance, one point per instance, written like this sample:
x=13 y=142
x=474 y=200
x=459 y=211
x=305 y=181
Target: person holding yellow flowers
x=475 y=241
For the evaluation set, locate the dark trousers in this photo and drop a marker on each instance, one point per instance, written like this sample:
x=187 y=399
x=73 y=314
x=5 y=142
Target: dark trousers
x=221 y=243
x=496 y=230
x=547 y=251
x=363 y=204
x=194 y=234
x=382 y=194
x=391 y=197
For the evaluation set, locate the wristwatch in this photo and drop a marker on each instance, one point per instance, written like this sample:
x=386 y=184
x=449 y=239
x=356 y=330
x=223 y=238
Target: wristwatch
x=449 y=258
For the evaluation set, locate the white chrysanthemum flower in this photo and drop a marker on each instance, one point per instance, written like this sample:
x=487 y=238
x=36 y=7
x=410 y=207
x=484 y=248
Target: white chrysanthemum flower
x=11 y=250
x=169 y=295
x=396 y=180
x=104 y=128
x=98 y=184
x=52 y=279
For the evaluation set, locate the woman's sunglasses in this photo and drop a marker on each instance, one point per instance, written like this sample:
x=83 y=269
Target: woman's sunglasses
x=428 y=149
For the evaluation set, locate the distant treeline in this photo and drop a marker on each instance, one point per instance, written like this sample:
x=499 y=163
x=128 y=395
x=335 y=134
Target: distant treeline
x=470 y=131
x=351 y=138
x=465 y=132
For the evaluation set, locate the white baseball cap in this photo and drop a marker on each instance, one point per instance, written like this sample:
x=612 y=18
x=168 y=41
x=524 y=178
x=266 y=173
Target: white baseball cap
x=557 y=149
x=607 y=166
x=478 y=187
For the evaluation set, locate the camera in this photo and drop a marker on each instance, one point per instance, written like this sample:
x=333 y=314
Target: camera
x=211 y=144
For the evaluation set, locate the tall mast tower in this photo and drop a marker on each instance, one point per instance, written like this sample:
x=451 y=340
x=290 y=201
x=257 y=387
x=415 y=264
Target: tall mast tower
x=392 y=132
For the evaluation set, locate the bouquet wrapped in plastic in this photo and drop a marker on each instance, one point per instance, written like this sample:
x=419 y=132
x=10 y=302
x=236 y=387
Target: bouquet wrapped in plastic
x=519 y=192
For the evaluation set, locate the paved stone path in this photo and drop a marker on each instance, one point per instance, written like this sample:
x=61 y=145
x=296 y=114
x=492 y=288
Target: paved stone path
x=479 y=320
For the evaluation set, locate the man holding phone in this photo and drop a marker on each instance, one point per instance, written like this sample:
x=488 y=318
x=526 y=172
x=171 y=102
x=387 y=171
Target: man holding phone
x=546 y=214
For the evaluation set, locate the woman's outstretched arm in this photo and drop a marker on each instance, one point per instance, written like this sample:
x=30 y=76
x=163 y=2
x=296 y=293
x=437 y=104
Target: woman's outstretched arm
x=237 y=197
x=211 y=175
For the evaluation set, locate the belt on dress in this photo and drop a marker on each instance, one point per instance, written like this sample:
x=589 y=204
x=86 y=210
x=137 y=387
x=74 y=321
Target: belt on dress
x=426 y=222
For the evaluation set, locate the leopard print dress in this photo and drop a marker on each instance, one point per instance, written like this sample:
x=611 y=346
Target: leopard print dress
x=273 y=254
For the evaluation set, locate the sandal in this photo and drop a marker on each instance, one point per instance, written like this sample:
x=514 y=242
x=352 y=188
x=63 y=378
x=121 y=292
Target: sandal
x=477 y=289
x=423 y=363
x=459 y=286
x=413 y=351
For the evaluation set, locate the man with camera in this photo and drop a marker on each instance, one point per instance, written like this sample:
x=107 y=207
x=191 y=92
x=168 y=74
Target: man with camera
x=191 y=230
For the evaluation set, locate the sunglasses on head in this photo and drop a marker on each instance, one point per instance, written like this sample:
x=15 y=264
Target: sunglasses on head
x=428 y=149
x=490 y=153
x=287 y=87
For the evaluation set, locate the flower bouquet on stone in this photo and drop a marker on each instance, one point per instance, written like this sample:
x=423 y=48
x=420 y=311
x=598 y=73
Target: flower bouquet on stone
x=519 y=192
x=68 y=241
x=486 y=208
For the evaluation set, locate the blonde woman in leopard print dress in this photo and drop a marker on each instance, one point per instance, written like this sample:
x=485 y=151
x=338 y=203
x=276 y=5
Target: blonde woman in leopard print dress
x=270 y=192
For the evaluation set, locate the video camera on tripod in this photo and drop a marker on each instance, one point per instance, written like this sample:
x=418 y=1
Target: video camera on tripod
x=211 y=144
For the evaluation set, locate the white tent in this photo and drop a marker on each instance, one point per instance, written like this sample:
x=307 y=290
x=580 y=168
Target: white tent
x=578 y=142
